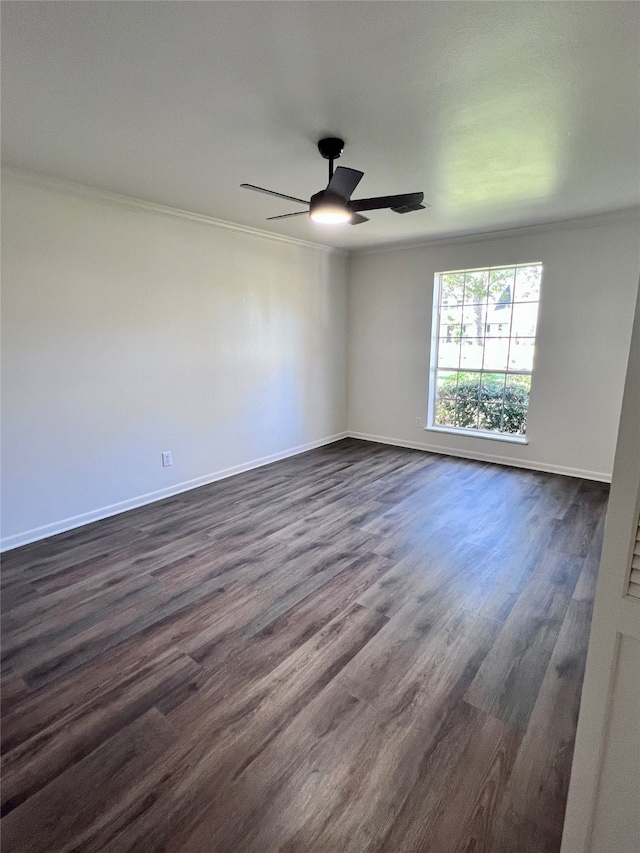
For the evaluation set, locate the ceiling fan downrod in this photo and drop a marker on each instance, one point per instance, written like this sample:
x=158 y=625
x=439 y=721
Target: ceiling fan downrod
x=331 y=148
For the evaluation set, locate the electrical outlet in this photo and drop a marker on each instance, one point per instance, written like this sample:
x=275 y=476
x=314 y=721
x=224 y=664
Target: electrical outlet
x=418 y=422
x=166 y=459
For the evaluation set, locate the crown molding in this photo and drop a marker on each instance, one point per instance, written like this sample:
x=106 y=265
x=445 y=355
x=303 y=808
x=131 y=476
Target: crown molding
x=131 y=203
x=592 y=221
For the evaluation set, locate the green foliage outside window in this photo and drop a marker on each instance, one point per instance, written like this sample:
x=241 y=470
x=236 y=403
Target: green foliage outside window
x=484 y=402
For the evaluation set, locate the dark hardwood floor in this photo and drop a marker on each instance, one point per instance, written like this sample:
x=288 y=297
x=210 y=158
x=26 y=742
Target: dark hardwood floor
x=362 y=648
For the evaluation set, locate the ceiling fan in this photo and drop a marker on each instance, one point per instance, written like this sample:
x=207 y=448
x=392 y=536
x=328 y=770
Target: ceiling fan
x=334 y=205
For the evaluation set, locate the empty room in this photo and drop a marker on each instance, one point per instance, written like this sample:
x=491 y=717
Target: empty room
x=320 y=426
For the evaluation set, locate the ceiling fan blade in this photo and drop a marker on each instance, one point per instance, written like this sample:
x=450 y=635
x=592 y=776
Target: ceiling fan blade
x=399 y=203
x=287 y=215
x=271 y=192
x=356 y=219
x=344 y=182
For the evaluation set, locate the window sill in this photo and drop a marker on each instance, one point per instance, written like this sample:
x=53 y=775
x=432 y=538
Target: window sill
x=493 y=436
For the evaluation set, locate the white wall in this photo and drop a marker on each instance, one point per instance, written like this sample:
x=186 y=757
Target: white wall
x=127 y=333
x=590 y=280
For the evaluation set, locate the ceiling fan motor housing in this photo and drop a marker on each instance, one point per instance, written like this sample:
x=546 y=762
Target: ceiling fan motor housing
x=325 y=200
x=327 y=197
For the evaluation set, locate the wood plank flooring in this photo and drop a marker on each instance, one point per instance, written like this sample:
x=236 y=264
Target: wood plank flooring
x=360 y=649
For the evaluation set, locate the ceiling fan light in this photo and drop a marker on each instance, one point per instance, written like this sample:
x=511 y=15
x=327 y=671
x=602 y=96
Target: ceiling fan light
x=328 y=211
x=330 y=217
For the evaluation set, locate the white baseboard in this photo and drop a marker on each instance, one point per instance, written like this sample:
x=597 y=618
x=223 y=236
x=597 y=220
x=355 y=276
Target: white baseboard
x=486 y=457
x=37 y=533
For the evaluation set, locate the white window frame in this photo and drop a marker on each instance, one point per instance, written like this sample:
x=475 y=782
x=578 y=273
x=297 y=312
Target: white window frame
x=433 y=362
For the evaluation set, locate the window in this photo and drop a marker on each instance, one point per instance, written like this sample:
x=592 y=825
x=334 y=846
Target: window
x=484 y=334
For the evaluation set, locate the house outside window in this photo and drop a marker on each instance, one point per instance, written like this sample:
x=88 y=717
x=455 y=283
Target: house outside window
x=482 y=353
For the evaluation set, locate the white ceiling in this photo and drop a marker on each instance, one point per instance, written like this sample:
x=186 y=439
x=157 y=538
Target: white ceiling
x=504 y=113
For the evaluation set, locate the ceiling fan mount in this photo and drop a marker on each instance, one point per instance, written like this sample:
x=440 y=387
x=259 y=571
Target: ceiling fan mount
x=331 y=147
x=333 y=205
